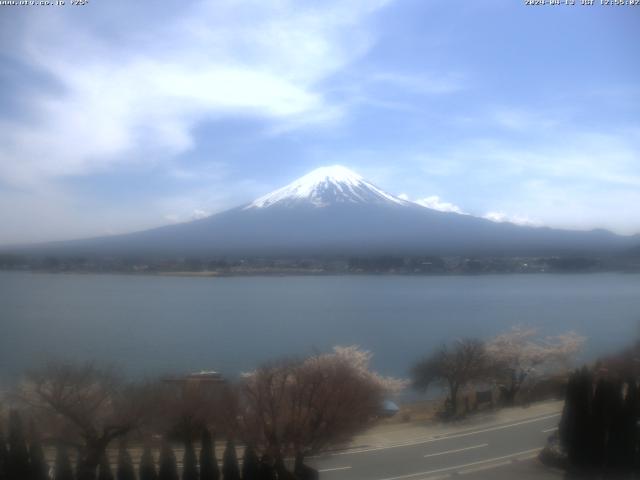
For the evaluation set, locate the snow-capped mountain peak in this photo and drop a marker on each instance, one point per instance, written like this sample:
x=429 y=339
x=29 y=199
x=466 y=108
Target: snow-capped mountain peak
x=327 y=186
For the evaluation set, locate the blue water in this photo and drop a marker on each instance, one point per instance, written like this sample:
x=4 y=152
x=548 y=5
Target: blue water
x=147 y=325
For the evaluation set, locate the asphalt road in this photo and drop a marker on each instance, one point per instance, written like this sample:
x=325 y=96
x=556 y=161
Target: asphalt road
x=498 y=451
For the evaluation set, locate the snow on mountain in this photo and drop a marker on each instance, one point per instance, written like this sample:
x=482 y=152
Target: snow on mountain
x=327 y=186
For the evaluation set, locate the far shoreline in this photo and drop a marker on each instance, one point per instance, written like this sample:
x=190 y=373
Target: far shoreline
x=301 y=273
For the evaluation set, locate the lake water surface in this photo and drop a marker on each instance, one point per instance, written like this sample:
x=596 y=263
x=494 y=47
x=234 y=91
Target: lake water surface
x=149 y=324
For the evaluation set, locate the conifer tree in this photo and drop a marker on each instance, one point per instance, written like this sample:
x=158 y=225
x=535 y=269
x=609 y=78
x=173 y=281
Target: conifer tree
x=281 y=470
x=629 y=425
x=37 y=461
x=250 y=464
x=125 y=469
x=63 y=470
x=230 y=470
x=3 y=454
x=632 y=408
x=17 y=463
x=568 y=422
x=147 y=465
x=81 y=466
x=267 y=472
x=302 y=471
x=617 y=434
x=208 y=463
x=168 y=467
x=575 y=425
x=601 y=417
x=104 y=469
x=189 y=462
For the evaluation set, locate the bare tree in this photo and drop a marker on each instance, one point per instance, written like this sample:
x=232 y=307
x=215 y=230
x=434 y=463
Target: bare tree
x=454 y=367
x=516 y=355
x=304 y=406
x=86 y=406
x=187 y=409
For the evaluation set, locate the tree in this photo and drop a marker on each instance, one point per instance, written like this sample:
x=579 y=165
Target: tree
x=250 y=464
x=514 y=356
x=304 y=406
x=630 y=421
x=598 y=428
x=85 y=405
x=104 y=469
x=185 y=408
x=17 y=463
x=621 y=435
x=230 y=470
x=3 y=454
x=454 y=367
x=63 y=470
x=266 y=471
x=125 y=469
x=189 y=462
x=575 y=424
x=281 y=470
x=147 y=469
x=80 y=461
x=168 y=468
x=304 y=472
x=37 y=461
x=601 y=416
x=208 y=462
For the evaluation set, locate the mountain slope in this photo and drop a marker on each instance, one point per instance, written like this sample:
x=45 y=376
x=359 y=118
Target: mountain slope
x=333 y=211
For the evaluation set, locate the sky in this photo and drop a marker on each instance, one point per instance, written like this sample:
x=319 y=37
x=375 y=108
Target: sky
x=119 y=116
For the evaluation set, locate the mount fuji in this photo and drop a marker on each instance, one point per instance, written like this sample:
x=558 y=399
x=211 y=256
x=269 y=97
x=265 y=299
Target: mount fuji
x=324 y=187
x=334 y=211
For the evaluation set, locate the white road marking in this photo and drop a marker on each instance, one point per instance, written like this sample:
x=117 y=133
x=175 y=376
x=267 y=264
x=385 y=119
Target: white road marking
x=456 y=450
x=456 y=467
x=334 y=469
x=482 y=468
x=500 y=464
x=444 y=437
x=550 y=430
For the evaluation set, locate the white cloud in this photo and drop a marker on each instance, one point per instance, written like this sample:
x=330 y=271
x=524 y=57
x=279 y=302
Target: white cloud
x=198 y=213
x=501 y=217
x=434 y=202
x=140 y=94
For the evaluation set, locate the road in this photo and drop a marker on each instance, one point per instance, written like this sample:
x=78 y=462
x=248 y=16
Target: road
x=490 y=451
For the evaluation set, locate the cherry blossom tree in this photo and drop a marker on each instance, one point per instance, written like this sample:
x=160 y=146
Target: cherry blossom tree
x=85 y=406
x=454 y=367
x=305 y=406
x=185 y=410
x=517 y=355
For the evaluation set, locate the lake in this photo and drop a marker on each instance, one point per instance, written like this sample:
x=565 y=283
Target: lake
x=153 y=324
